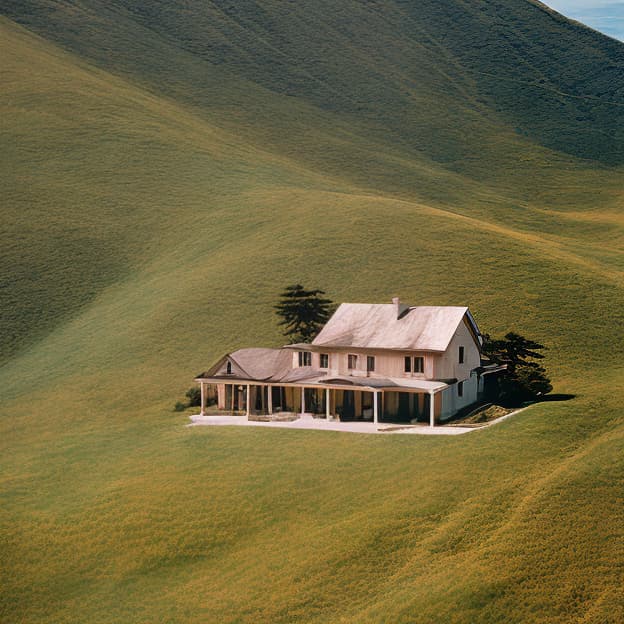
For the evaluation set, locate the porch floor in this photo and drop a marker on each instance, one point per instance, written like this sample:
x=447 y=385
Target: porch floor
x=332 y=425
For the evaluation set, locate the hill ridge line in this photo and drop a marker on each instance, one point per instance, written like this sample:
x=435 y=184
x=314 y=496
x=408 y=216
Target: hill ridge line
x=526 y=236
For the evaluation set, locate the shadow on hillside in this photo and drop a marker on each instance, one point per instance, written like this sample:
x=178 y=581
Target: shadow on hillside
x=556 y=397
x=517 y=403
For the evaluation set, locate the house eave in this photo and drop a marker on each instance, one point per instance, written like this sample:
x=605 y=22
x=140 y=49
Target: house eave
x=368 y=349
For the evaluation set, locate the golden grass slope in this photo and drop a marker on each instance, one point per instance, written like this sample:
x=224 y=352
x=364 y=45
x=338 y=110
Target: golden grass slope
x=147 y=235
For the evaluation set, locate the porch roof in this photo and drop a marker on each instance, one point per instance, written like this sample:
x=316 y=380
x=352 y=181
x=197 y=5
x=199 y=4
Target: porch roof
x=384 y=383
x=322 y=380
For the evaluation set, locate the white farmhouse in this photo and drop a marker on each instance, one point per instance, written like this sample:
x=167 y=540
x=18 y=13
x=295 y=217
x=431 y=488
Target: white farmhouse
x=378 y=362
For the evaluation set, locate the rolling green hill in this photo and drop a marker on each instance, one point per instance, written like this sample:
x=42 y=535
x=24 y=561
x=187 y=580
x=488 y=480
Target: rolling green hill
x=167 y=169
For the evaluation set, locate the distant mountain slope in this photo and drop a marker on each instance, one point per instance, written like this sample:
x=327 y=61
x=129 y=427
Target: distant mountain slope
x=412 y=72
x=479 y=108
x=98 y=178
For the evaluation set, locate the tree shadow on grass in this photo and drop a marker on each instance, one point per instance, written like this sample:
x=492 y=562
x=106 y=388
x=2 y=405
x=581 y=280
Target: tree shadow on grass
x=517 y=402
x=556 y=397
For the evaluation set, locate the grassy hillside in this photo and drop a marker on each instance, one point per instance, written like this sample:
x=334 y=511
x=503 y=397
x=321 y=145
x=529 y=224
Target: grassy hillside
x=167 y=170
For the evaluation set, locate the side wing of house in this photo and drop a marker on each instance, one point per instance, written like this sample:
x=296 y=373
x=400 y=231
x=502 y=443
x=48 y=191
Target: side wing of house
x=459 y=364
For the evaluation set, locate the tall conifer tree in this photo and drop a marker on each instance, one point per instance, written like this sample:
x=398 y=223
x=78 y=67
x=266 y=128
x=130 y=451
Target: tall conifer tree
x=303 y=312
x=524 y=379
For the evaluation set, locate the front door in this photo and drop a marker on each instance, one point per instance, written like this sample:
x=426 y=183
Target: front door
x=348 y=405
x=404 y=414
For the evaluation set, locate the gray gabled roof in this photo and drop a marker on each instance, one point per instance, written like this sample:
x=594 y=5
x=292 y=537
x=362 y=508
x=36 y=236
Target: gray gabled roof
x=258 y=364
x=253 y=363
x=261 y=363
x=378 y=326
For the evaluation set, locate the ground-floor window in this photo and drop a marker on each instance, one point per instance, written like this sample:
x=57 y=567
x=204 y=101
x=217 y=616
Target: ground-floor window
x=405 y=407
x=315 y=400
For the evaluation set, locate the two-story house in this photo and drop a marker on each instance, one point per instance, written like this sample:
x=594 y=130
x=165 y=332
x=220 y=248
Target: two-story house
x=377 y=362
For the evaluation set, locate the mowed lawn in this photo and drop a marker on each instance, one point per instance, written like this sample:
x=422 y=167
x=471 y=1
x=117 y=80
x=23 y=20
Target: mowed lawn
x=147 y=236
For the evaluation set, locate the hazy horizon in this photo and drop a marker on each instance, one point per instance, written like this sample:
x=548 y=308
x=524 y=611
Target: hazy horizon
x=606 y=16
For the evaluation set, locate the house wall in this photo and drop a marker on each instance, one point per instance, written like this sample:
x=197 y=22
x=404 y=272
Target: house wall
x=452 y=402
x=386 y=364
x=447 y=366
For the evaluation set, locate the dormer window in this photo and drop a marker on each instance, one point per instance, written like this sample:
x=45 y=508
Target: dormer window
x=351 y=362
x=305 y=358
x=228 y=368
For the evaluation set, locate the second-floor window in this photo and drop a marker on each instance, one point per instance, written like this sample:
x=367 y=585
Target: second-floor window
x=460 y=389
x=228 y=368
x=370 y=363
x=324 y=360
x=305 y=358
x=461 y=355
x=351 y=362
x=417 y=365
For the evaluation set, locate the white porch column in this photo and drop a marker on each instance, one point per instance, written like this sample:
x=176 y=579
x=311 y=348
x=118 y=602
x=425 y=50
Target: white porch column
x=375 y=408
x=302 y=401
x=327 y=405
x=248 y=400
x=431 y=409
x=202 y=411
x=270 y=398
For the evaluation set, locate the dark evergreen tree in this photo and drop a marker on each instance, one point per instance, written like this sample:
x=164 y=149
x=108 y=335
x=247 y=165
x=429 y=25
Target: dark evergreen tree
x=303 y=312
x=524 y=379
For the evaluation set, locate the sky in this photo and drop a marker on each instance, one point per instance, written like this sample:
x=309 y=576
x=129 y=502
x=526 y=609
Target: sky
x=607 y=16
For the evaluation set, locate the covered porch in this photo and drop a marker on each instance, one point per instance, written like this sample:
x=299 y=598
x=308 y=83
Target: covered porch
x=344 y=400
